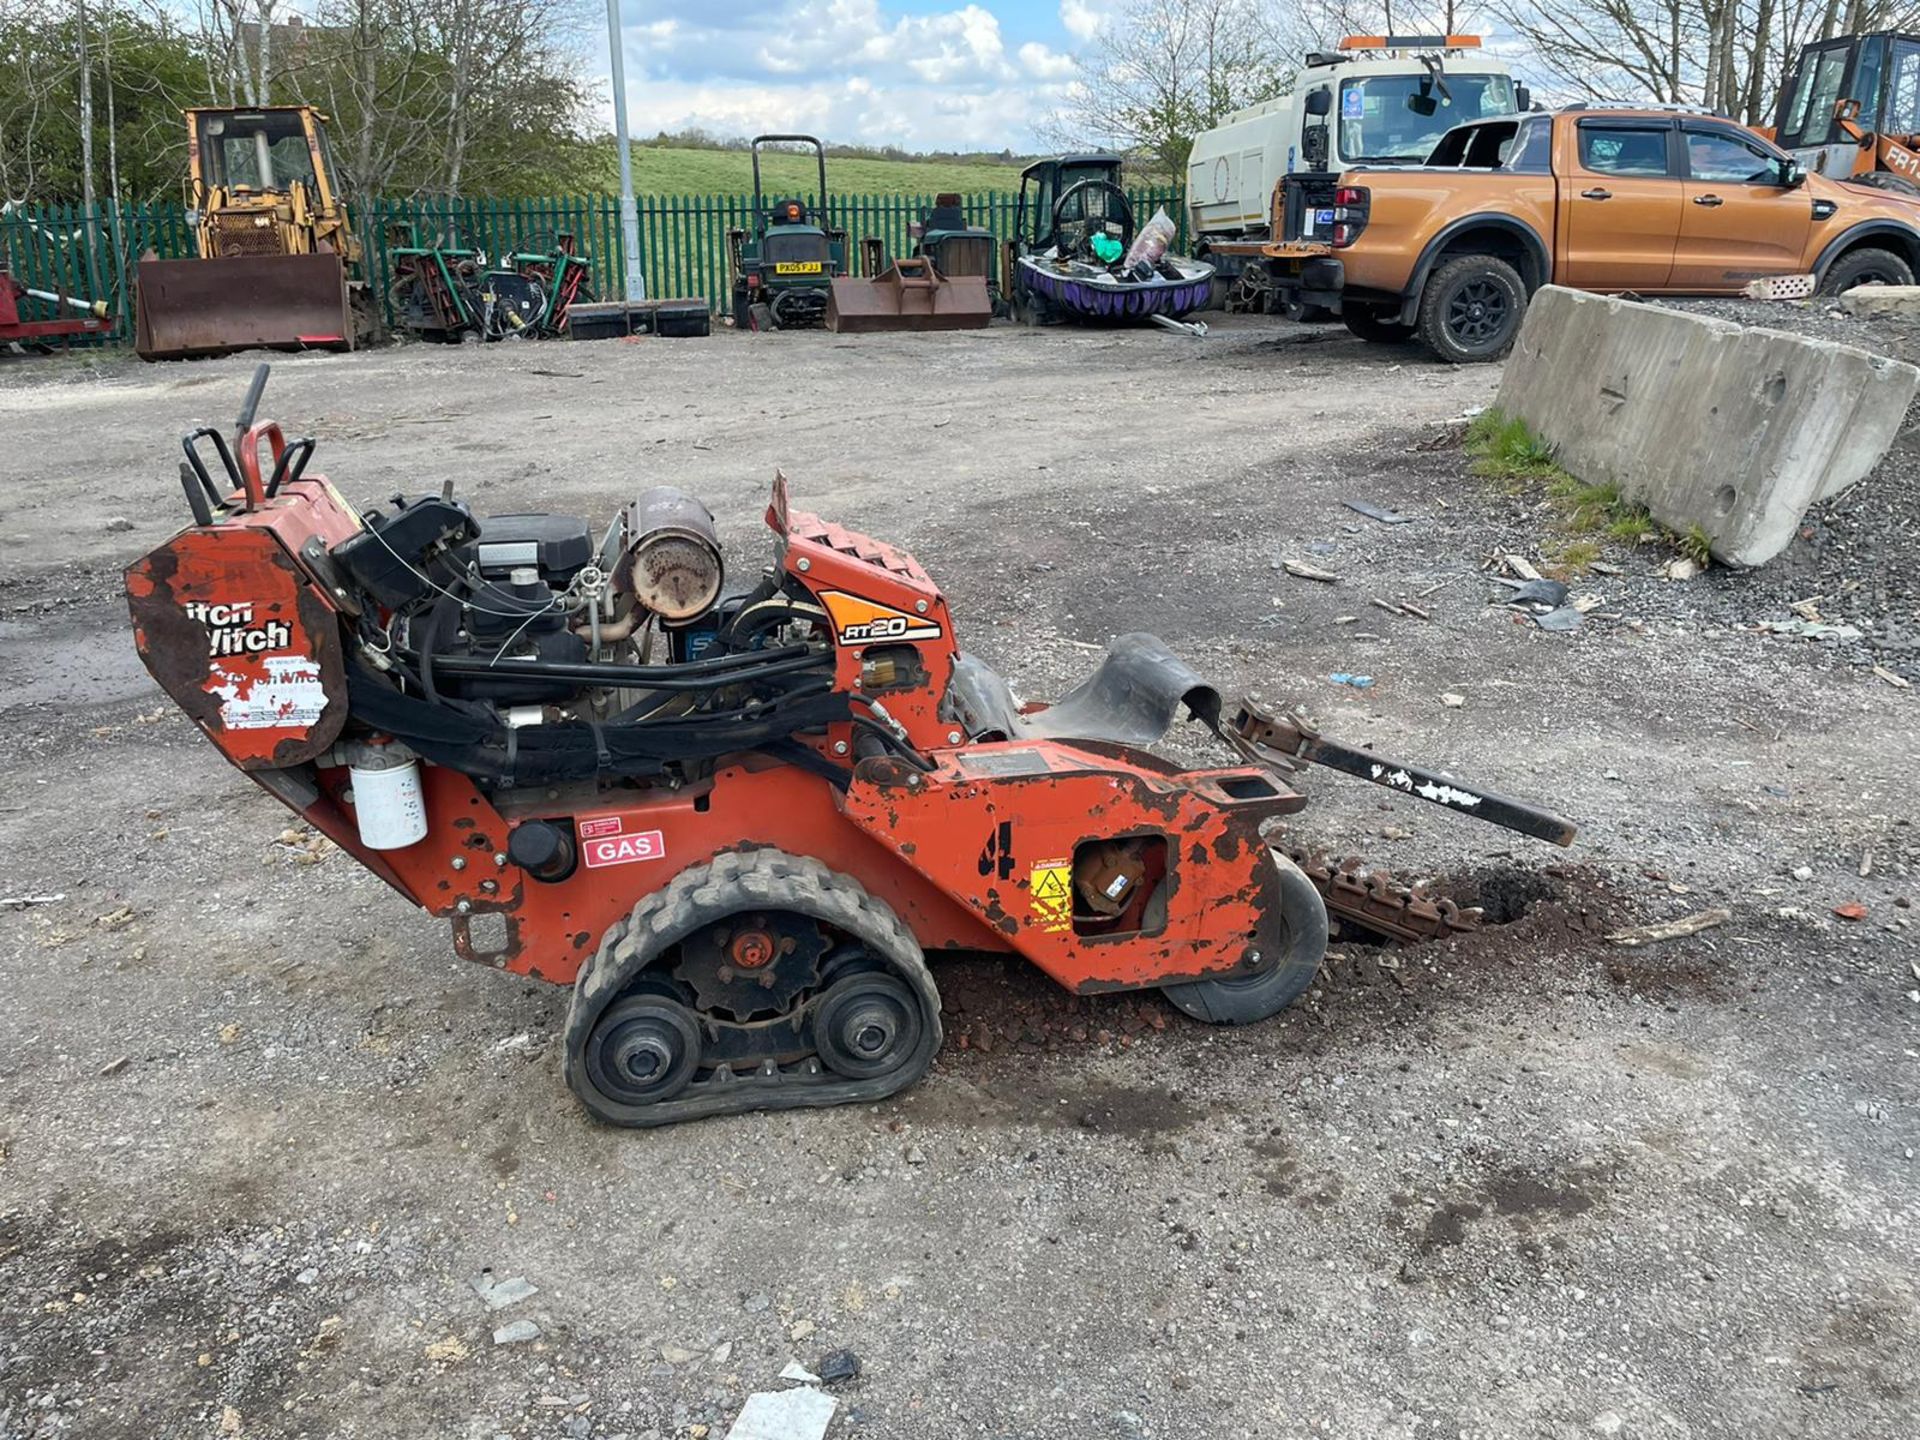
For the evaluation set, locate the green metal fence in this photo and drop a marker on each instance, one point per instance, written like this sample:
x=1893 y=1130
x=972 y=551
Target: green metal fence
x=71 y=250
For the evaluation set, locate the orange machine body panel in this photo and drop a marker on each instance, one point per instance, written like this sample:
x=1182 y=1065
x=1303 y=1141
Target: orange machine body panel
x=235 y=628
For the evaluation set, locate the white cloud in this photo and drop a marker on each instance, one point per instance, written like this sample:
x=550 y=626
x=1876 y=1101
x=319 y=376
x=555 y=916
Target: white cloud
x=847 y=69
x=1045 y=64
x=1083 y=19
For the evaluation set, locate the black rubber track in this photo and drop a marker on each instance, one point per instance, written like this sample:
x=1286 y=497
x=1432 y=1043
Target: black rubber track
x=747 y=880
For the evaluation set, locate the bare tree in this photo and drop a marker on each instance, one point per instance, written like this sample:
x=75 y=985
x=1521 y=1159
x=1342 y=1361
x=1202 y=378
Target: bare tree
x=1730 y=55
x=1164 y=71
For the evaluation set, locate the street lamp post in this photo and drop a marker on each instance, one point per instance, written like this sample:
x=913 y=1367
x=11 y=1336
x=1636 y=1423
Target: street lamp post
x=629 y=213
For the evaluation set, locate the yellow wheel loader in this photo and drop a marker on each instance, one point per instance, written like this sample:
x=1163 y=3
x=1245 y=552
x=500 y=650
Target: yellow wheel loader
x=278 y=264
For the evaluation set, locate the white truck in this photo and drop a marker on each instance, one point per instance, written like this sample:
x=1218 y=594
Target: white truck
x=1376 y=100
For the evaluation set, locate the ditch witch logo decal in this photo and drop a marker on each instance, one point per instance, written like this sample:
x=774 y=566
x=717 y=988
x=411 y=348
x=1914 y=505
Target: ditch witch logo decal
x=858 y=622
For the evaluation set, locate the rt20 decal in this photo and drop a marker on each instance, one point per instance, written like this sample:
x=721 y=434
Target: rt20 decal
x=601 y=843
x=857 y=621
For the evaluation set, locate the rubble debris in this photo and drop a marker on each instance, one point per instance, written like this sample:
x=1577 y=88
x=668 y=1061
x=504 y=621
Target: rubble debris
x=516 y=1333
x=1567 y=617
x=1309 y=572
x=1358 y=682
x=838 y=1365
x=1452 y=700
x=1781 y=287
x=1521 y=566
x=1852 y=910
x=1881 y=300
x=498 y=1294
x=1671 y=929
x=1813 y=630
x=21 y=902
x=801 y=1413
x=796 y=1371
x=1550 y=593
x=1899 y=682
x=1377 y=512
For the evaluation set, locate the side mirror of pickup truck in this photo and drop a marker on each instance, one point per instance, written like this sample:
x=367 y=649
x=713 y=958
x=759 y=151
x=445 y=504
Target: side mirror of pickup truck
x=1792 y=177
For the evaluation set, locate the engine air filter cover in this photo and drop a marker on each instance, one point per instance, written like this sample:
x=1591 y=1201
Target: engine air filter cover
x=672 y=564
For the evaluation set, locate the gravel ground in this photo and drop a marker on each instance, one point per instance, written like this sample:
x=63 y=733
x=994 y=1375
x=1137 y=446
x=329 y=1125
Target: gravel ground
x=261 y=1129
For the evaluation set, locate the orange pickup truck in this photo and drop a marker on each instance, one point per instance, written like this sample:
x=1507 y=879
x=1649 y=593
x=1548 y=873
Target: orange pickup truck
x=1657 y=201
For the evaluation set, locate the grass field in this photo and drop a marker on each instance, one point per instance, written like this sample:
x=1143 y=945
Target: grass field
x=729 y=172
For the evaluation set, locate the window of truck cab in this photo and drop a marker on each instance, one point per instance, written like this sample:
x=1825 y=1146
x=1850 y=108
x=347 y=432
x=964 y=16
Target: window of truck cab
x=1716 y=153
x=1380 y=119
x=1626 y=147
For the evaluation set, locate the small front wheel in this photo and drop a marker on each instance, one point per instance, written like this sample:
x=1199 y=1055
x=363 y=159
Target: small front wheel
x=1471 y=309
x=1282 y=976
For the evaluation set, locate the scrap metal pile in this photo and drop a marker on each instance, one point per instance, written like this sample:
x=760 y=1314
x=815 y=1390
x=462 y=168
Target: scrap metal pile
x=451 y=292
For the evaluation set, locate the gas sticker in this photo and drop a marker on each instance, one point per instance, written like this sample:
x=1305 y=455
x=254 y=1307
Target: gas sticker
x=796 y=267
x=1052 y=891
x=616 y=849
x=858 y=622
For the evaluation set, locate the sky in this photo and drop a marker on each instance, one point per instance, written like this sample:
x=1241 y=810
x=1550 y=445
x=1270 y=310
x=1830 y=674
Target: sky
x=921 y=74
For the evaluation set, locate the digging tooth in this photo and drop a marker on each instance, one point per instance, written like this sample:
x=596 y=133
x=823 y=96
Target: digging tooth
x=1375 y=902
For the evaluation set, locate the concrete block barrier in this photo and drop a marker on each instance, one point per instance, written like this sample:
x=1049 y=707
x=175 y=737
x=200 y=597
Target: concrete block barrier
x=1736 y=429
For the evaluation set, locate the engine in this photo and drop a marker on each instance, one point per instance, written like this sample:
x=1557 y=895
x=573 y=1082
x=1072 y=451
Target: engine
x=536 y=591
x=520 y=649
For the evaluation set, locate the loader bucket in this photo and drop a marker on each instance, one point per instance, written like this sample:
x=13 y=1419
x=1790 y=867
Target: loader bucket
x=909 y=295
x=186 y=308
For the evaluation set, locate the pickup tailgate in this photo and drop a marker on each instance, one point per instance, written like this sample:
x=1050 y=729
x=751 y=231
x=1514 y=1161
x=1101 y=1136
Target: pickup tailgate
x=1403 y=209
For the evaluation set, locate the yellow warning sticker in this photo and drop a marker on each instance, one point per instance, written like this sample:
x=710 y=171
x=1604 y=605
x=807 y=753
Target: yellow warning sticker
x=1052 y=890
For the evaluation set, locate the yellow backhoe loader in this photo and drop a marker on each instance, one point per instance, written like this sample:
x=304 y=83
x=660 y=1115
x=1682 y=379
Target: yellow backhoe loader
x=278 y=264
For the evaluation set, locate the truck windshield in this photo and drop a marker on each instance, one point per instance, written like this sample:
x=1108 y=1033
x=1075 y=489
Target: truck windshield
x=1381 y=119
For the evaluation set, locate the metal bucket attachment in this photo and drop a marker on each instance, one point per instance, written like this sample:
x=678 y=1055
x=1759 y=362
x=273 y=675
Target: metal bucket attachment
x=909 y=295
x=186 y=308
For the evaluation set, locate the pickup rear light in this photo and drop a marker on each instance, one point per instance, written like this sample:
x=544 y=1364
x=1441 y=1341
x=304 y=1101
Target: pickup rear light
x=1343 y=234
x=1350 y=203
x=1350 y=195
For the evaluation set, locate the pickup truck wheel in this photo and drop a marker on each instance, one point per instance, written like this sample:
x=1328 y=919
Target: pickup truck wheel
x=1373 y=327
x=1865 y=267
x=1471 y=309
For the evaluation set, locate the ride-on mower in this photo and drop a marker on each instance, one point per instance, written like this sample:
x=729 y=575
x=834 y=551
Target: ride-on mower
x=783 y=266
x=736 y=824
